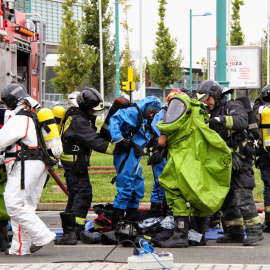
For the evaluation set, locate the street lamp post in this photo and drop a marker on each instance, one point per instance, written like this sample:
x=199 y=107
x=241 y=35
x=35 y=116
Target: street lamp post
x=190 y=45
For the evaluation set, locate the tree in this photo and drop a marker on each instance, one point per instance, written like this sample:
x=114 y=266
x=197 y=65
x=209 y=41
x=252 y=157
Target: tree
x=74 y=57
x=166 y=66
x=90 y=36
x=237 y=36
x=127 y=62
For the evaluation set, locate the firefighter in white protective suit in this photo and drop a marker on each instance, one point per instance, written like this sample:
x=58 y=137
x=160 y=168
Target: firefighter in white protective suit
x=26 y=176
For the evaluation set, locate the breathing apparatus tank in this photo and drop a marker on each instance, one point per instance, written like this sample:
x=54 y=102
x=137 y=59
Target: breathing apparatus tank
x=265 y=127
x=50 y=132
x=59 y=114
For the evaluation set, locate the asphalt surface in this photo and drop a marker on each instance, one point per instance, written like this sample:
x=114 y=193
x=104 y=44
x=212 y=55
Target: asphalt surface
x=211 y=255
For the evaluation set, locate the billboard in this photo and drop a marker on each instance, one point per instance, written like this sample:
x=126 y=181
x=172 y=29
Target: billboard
x=245 y=66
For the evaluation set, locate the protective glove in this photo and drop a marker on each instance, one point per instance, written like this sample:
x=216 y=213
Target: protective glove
x=124 y=145
x=157 y=156
x=236 y=163
x=214 y=123
x=138 y=150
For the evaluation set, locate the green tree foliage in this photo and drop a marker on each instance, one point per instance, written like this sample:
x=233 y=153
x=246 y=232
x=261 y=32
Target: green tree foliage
x=126 y=60
x=165 y=69
x=237 y=36
x=74 y=57
x=90 y=36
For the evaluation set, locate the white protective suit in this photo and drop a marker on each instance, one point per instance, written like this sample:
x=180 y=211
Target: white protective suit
x=27 y=227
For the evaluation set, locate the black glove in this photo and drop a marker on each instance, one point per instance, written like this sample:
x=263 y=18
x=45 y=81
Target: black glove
x=214 y=123
x=158 y=155
x=138 y=150
x=124 y=145
x=236 y=163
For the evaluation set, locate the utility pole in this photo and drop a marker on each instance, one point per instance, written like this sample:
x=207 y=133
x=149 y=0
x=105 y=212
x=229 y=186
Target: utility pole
x=221 y=43
x=117 y=68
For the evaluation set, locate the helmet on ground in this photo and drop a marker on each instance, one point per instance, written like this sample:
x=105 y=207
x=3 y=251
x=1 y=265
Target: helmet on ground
x=126 y=230
x=209 y=88
x=72 y=99
x=90 y=99
x=265 y=93
x=12 y=94
x=172 y=92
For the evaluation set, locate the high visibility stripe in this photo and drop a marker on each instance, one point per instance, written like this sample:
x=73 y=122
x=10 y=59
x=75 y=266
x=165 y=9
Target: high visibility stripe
x=6 y=162
x=67 y=123
x=267 y=209
x=229 y=122
x=80 y=221
x=27 y=127
x=20 y=239
x=110 y=148
x=253 y=221
x=235 y=222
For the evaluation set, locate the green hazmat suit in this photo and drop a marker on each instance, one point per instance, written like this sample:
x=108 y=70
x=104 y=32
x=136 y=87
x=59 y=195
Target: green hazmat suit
x=3 y=181
x=199 y=164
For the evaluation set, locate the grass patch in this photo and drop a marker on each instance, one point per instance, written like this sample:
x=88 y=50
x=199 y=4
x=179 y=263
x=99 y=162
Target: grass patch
x=104 y=191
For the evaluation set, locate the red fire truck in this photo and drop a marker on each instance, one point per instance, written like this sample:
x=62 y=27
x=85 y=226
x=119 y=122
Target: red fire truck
x=22 y=50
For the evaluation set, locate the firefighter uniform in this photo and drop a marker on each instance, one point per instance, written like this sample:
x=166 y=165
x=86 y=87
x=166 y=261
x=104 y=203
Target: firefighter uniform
x=230 y=120
x=263 y=162
x=79 y=138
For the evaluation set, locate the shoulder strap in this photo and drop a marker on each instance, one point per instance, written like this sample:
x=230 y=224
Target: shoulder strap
x=140 y=120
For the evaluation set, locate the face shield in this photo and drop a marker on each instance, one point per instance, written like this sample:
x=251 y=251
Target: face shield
x=98 y=110
x=202 y=97
x=176 y=109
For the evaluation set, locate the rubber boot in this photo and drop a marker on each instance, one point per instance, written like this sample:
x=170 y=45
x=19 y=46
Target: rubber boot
x=234 y=234
x=129 y=213
x=215 y=221
x=117 y=215
x=156 y=205
x=4 y=243
x=201 y=223
x=266 y=224
x=254 y=234
x=90 y=237
x=69 y=234
x=180 y=234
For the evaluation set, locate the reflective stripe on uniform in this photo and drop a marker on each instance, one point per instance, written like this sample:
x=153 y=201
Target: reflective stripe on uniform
x=229 y=122
x=253 y=221
x=267 y=209
x=67 y=123
x=110 y=148
x=80 y=221
x=235 y=222
x=70 y=158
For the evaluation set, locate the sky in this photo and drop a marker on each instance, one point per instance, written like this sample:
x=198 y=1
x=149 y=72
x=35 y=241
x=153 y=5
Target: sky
x=253 y=20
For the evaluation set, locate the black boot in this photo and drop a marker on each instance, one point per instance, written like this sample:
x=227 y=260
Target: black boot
x=266 y=224
x=215 y=221
x=90 y=237
x=254 y=234
x=118 y=214
x=180 y=234
x=69 y=234
x=129 y=213
x=201 y=223
x=234 y=234
x=4 y=243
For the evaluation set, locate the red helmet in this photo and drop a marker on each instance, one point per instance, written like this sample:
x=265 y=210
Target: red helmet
x=172 y=92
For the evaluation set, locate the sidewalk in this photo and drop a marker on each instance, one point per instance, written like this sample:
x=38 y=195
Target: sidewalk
x=118 y=266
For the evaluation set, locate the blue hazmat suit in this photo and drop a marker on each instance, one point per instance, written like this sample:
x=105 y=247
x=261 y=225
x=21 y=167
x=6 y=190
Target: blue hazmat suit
x=158 y=193
x=129 y=182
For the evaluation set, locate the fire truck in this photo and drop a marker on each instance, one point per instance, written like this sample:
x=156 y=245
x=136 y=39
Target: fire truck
x=22 y=50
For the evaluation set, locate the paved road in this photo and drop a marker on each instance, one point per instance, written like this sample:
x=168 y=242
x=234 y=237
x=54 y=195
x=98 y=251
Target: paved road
x=211 y=256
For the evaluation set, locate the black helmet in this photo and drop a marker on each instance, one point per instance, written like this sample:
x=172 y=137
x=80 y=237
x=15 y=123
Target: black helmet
x=126 y=230
x=12 y=94
x=209 y=88
x=90 y=99
x=265 y=93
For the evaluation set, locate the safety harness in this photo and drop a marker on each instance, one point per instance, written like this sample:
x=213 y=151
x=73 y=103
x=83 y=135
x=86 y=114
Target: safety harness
x=26 y=153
